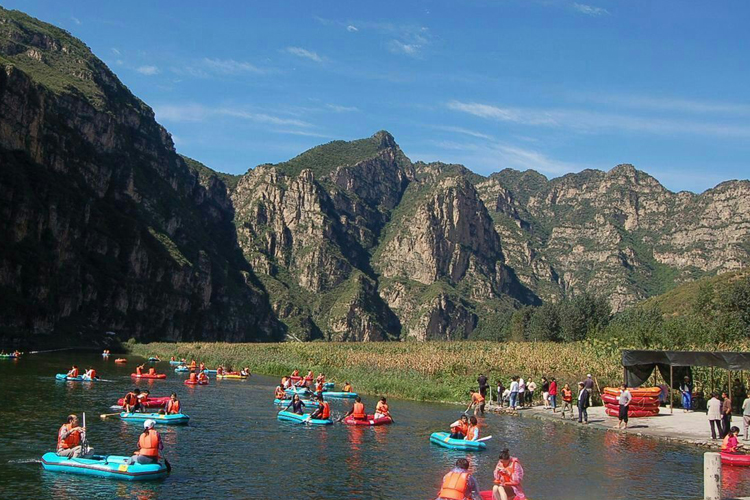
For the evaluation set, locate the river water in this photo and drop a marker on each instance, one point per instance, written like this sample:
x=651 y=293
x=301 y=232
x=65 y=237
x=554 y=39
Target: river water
x=235 y=447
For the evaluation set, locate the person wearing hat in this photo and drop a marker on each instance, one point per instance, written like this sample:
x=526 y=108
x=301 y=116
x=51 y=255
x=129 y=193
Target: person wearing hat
x=149 y=445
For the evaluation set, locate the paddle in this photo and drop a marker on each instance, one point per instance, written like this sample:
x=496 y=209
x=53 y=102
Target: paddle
x=105 y=415
x=169 y=466
x=483 y=439
x=84 y=443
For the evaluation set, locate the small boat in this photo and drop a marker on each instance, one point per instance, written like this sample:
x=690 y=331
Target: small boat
x=339 y=395
x=370 y=420
x=302 y=391
x=176 y=363
x=632 y=412
x=735 y=459
x=327 y=386
x=64 y=376
x=121 y=360
x=109 y=466
x=231 y=376
x=182 y=369
x=288 y=416
x=149 y=376
x=197 y=382
x=159 y=418
x=8 y=356
x=207 y=371
x=150 y=402
x=285 y=402
x=153 y=359
x=445 y=440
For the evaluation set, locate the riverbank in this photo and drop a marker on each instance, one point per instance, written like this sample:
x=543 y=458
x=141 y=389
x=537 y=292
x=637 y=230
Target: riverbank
x=425 y=371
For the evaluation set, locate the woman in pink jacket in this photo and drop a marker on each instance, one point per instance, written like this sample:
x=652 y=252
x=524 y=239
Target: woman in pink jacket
x=508 y=477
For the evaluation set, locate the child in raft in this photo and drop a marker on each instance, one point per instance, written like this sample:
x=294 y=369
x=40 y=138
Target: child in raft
x=731 y=442
x=73 y=373
x=460 y=427
x=296 y=405
x=381 y=410
x=472 y=433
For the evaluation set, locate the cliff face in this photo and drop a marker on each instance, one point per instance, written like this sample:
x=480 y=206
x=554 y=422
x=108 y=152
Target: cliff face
x=104 y=226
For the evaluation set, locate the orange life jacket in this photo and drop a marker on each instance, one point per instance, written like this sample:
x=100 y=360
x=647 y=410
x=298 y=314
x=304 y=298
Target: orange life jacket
x=193 y=377
x=173 y=407
x=472 y=433
x=202 y=376
x=152 y=371
x=319 y=387
x=567 y=395
x=477 y=398
x=92 y=373
x=279 y=393
x=73 y=372
x=460 y=426
x=149 y=444
x=358 y=411
x=506 y=473
x=454 y=485
x=192 y=364
x=381 y=408
x=130 y=399
x=73 y=439
x=203 y=366
x=326 y=411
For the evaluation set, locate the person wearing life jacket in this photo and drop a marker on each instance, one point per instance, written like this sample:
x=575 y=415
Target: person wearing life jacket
x=459 y=484
x=508 y=476
x=321 y=378
x=472 y=433
x=152 y=371
x=131 y=402
x=69 y=440
x=279 y=393
x=90 y=374
x=149 y=446
x=173 y=406
x=202 y=366
x=730 y=443
x=193 y=378
x=460 y=427
x=172 y=359
x=139 y=370
x=309 y=377
x=245 y=372
x=220 y=370
x=286 y=382
x=477 y=401
x=358 y=410
x=193 y=365
x=143 y=397
x=73 y=373
x=295 y=373
x=347 y=387
x=323 y=412
x=202 y=378
x=381 y=409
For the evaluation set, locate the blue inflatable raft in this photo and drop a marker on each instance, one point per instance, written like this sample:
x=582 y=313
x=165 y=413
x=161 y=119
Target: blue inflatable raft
x=339 y=395
x=79 y=378
x=328 y=386
x=160 y=419
x=443 y=439
x=182 y=368
x=288 y=416
x=153 y=360
x=111 y=466
x=285 y=402
x=302 y=391
x=176 y=363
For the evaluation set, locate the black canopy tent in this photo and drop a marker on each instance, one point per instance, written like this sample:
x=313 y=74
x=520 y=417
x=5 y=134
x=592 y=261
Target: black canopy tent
x=638 y=365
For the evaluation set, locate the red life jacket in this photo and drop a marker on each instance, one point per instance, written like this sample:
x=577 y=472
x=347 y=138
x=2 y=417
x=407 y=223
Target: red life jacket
x=130 y=399
x=326 y=411
x=455 y=485
x=173 y=407
x=358 y=411
x=92 y=373
x=149 y=444
x=73 y=439
x=73 y=373
x=193 y=377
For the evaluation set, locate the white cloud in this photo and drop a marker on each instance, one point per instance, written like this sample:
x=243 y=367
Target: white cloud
x=148 y=70
x=115 y=51
x=398 y=47
x=460 y=130
x=527 y=117
x=668 y=104
x=351 y=28
x=229 y=66
x=119 y=62
x=75 y=20
x=341 y=109
x=199 y=113
x=304 y=53
x=590 y=10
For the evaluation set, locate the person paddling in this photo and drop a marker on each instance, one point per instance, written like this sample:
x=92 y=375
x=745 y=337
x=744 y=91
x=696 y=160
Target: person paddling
x=459 y=484
x=245 y=372
x=382 y=410
x=173 y=406
x=279 y=393
x=91 y=374
x=139 y=370
x=357 y=411
x=323 y=412
x=508 y=476
x=69 y=439
x=296 y=405
x=202 y=378
x=149 y=446
x=73 y=373
x=131 y=402
x=347 y=387
x=460 y=427
x=472 y=433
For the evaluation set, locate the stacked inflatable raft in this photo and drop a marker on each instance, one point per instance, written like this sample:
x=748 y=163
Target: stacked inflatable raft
x=645 y=402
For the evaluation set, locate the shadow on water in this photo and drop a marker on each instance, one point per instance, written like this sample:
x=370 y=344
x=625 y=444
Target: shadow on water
x=235 y=447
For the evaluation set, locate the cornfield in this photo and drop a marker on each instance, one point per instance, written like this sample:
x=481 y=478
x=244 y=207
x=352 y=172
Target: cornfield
x=427 y=371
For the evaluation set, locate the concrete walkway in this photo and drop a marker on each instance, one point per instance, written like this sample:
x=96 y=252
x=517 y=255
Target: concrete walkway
x=688 y=428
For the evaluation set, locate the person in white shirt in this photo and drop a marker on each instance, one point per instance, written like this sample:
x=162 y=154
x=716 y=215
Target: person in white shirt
x=624 y=400
x=514 y=386
x=521 y=392
x=530 y=388
x=714 y=414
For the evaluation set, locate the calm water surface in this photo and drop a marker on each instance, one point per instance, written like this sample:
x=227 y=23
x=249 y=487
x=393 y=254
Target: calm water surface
x=235 y=447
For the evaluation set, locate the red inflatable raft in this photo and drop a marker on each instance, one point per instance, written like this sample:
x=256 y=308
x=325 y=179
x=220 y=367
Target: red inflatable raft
x=150 y=402
x=371 y=420
x=121 y=360
x=197 y=382
x=632 y=412
x=636 y=401
x=149 y=376
x=735 y=459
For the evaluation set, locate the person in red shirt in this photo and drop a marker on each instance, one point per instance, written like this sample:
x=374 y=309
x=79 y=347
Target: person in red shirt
x=553 y=394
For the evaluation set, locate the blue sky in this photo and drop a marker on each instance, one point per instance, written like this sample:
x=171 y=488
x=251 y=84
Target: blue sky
x=553 y=85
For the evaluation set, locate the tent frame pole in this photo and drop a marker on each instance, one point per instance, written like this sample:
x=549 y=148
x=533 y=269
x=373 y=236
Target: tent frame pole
x=729 y=393
x=671 y=383
x=712 y=380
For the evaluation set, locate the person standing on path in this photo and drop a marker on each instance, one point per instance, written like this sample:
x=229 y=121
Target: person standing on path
x=530 y=388
x=545 y=392
x=483 y=385
x=514 y=392
x=583 y=403
x=625 y=399
x=553 y=394
x=500 y=391
x=686 y=388
x=746 y=414
x=588 y=384
x=714 y=415
x=567 y=399
x=726 y=414
x=521 y=392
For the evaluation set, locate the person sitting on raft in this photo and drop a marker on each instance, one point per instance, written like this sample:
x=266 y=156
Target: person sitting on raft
x=202 y=366
x=731 y=443
x=152 y=371
x=477 y=401
x=245 y=372
x=90 y=374
x=193 y=365
x=73 y=373
x=143 y=397
x=69 y=439
x=173 y=406
x=460 y=427
x=347 y=387
x=296 y=405
x=295 y=373
x=131 y=402
x=508 y=476
x=202 y=378
x=219 y=370
x=279 y=393
x=139 y=370
x=381 y=409
x=357 y=411
x=321 y=379
x=472 y=433
x=459 y=483
x=323 y=412
x=319 y=388
x=172 y=359
x=149 y=446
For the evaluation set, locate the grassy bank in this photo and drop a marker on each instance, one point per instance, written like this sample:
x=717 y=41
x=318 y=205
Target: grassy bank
x=429 y=371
